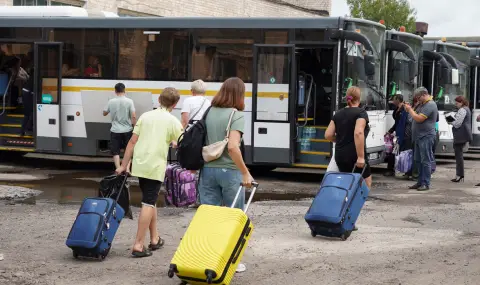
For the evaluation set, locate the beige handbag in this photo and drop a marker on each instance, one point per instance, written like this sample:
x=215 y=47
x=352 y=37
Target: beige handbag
x=213 y=151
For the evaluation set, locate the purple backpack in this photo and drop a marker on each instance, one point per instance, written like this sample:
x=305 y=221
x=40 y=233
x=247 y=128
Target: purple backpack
x=180 y=185
x=404 y=161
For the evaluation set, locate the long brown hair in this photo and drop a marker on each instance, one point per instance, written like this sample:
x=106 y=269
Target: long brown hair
x=462 y=100
x=231 y=94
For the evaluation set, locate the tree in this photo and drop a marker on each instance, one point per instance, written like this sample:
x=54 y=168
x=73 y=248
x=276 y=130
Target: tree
x=395 y=13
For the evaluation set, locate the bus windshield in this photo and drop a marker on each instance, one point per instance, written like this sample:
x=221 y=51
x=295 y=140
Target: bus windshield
x=403 y=72
x=446 y=92
x=366 y=74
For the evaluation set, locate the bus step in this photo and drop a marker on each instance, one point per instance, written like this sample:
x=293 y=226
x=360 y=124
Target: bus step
x=10 y=125
x=308 y=165
x=19 y=142
x=14 y=148
x=303 y=119
x=15 y=115
x=314 y=157
x=15 y=136
x=320 y=145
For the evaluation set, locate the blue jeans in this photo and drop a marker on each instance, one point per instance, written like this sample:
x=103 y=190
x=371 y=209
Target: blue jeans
x=424 y=158
x=218 y=186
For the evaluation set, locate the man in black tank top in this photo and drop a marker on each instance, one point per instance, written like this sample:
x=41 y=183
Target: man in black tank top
x=349 y=130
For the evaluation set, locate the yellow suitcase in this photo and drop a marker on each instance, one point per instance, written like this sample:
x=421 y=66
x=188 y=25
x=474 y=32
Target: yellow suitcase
x=213 y=244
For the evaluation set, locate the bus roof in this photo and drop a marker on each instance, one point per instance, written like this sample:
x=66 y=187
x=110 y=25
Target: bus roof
x=432 y=45
x=182 y=22
x=50 y=12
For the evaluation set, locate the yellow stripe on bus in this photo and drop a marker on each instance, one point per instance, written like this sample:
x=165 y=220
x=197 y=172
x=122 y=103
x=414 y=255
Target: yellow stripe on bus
x=157 y=91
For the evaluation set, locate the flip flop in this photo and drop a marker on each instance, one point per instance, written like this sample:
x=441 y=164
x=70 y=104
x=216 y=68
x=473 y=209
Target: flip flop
x=144 y=253
x=159 y=244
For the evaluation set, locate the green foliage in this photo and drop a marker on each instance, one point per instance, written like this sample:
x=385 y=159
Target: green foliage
x=395 y=13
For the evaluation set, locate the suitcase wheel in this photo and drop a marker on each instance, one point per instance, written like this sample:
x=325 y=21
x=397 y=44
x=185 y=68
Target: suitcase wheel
x=314 y=234
x=346 y=235
x=75 y=255
x=171 y=273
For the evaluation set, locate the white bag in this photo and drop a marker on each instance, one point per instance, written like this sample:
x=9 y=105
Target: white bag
x=213 y=151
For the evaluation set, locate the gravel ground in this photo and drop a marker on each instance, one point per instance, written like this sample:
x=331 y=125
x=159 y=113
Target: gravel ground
x=405 y=237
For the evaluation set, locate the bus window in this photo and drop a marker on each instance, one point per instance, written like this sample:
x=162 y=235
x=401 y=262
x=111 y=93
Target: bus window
x=21 y=33
x=276 y=37
x=72 y=60
x=220 y=54
x=309 y=35
x=99 y=54
x=154 y=55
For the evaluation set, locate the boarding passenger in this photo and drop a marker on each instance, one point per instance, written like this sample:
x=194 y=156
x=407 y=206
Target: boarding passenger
x=220 y=179
x=193 y=109
x=149 y=147
x=122 y=111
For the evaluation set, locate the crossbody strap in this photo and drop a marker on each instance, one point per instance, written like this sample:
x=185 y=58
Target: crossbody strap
x=229 y=125
x=199 y=109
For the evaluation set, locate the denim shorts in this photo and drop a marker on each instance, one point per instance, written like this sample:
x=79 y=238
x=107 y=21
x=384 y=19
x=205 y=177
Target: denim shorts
x=218 y=186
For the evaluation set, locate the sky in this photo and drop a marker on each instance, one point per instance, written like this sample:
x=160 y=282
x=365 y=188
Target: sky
x=444 y=17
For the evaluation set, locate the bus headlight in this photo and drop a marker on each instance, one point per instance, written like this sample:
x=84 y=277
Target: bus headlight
x=443 y=135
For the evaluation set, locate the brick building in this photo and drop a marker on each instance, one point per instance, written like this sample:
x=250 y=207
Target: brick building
x=219 y=8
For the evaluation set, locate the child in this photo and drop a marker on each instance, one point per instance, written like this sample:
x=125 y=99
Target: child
x=149 y=146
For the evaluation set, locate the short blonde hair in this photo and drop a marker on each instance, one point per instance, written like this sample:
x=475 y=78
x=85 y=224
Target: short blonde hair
x=199 y=87
x=169 y=97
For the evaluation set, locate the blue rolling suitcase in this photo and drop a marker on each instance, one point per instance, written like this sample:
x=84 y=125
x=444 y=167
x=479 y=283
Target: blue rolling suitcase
x=337 y=205
x=95 y=227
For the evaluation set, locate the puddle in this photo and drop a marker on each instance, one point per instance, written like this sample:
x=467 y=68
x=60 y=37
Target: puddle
x=73 y=188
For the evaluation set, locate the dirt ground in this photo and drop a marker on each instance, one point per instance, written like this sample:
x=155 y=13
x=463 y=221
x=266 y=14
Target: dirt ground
x=404 y=237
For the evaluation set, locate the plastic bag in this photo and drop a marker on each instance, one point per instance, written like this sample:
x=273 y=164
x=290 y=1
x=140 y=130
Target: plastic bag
x=110 y=187
x=404 y=161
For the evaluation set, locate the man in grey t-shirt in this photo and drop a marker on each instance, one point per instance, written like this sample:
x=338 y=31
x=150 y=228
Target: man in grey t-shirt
x=122 y=111
x=424 y=136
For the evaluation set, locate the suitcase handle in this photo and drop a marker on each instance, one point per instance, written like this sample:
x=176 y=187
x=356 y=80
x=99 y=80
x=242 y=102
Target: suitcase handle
x=254 y=189
x=363 y=169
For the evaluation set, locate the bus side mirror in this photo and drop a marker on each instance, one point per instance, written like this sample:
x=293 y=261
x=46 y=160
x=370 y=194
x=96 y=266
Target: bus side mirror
x=369 y=65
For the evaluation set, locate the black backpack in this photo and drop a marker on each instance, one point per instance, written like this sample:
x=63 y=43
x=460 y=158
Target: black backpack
x=191 y=143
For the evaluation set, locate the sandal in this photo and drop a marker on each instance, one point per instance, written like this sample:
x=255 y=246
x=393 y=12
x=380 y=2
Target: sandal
x=144 y=253
x=158 y=245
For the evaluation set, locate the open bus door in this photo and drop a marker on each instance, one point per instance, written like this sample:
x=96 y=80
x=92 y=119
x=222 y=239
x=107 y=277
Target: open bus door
x=48 y=90
x=273 y=118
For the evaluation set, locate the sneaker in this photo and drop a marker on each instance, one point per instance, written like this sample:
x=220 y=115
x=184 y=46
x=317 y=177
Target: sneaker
x=423 y=188
x=416 y=186
x=389 y=173
x=241 y=268
x=194 y=206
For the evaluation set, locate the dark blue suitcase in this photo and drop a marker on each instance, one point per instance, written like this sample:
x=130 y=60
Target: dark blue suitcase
x=95 y=227
x=337 y=205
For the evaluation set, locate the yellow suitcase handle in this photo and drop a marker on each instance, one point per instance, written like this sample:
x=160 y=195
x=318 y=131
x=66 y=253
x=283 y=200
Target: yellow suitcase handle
x=254 y=189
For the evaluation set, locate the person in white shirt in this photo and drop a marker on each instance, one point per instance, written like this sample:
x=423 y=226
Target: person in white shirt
x=194 y=107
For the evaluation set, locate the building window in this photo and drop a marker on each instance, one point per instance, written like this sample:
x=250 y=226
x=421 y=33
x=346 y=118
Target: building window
x=153 y=55
x=220 y=54
x=75 y=3
x=87 y=53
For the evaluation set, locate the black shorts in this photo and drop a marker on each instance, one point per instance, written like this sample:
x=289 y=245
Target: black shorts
x=348 y=164
x=119 y=141
x=150 y=191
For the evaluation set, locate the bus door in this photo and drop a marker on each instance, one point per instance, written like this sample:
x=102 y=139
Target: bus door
x=273 y=103
x=48 y=90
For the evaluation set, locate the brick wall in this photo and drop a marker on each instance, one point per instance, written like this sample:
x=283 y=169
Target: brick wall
x=221 y=8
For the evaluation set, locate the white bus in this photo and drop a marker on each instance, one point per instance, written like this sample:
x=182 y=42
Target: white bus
x=404 y=68
x=446 y=75
x=296 y=71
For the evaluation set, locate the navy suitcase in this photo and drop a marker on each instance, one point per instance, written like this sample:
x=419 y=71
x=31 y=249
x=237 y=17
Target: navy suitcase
x=95 y=227
x=337 y=205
